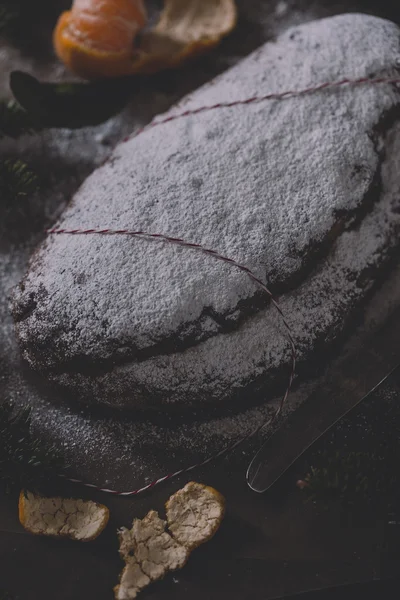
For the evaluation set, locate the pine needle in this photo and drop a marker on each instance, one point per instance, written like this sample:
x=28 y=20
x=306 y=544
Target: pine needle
x=15 y=121
x=357 y=481
x=17 y=180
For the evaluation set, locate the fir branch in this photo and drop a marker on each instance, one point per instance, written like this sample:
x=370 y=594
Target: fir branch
x=15 y=121
x=357 y=480
x=354 y=466
x=25 y=462
x=16 y=180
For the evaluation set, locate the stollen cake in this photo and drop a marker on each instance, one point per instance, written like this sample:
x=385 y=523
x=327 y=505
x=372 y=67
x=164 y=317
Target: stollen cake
x=305 y=191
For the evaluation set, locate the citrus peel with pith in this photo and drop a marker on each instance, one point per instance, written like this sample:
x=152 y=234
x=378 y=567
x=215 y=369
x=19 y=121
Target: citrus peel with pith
x=99 y=38
x=76 y=519
x=154 y=547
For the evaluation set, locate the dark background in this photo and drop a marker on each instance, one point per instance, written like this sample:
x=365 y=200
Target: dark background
x=269 y=545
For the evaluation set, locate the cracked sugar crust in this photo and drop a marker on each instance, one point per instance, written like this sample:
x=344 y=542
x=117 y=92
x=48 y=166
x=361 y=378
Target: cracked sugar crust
x=194 y=514
x=149 y=552
x=241 y=364
x=81 y=520
x=271 y=185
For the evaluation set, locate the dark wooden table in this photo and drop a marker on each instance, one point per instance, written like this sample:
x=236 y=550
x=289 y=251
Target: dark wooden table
x=270 y=545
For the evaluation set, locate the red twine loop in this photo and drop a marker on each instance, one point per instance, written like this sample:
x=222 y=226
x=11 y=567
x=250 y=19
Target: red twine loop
x=217 y=256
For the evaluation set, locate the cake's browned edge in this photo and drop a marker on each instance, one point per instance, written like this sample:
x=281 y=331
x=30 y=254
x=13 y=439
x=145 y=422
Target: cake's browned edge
x=86 y=365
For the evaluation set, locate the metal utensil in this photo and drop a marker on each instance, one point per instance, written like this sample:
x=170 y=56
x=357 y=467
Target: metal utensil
x=345 y=386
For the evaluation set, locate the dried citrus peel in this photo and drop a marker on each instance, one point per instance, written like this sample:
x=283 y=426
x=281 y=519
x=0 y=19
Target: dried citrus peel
x=187 y=28
x=194 y=514
x=95 y=48
x=149 y=553
x=150 y=550
x=61 y=517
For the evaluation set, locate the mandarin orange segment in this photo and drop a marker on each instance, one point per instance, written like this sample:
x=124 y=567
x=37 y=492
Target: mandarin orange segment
x=128 y=10
x=96 y=38
x=109 y=25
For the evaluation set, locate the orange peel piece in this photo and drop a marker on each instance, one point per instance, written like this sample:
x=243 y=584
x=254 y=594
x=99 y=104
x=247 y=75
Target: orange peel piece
x=149 y=553
x=194 y=514
x=81 y=520
x=154 y=547
x=96 y=39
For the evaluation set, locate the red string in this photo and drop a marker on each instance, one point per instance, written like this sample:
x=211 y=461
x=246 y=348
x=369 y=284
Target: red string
x=217 y=256
x=264 y=98
x=253 y=277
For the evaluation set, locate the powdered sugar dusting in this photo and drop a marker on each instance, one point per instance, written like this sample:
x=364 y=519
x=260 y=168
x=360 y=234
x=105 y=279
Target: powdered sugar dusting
x=262 y=201
x=129 y=452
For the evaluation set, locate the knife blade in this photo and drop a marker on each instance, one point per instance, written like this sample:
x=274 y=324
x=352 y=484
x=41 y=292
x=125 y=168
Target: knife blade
x=352 y=379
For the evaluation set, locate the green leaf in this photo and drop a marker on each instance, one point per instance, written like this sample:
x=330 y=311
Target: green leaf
x=69 y=105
